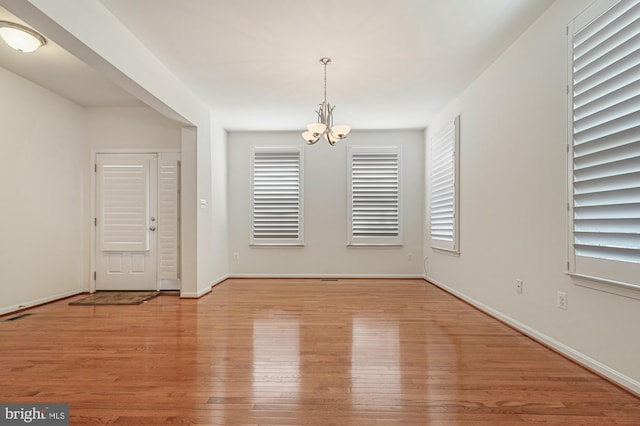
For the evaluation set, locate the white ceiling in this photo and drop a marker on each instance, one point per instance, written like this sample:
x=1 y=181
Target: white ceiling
x=395 y=63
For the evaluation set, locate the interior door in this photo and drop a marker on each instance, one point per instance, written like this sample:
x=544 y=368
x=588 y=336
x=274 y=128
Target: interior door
x=126 y=222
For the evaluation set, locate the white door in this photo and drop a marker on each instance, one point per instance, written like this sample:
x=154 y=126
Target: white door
x=126 y=222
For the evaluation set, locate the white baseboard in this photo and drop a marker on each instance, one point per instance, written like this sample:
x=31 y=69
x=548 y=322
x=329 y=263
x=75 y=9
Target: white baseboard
x=199 y=294
x=32 y=303
x=194 y=295
x=332 y=276
x=580 y=358
x=219 y=280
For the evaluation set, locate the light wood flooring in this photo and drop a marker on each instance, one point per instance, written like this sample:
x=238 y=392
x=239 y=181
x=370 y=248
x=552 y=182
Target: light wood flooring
x=297 y=352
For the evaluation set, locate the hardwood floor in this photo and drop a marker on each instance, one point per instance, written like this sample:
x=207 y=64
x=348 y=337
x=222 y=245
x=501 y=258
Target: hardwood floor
x=285 y=352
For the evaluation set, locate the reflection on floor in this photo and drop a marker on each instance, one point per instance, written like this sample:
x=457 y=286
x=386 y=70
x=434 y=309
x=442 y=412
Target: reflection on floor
x=298 y=352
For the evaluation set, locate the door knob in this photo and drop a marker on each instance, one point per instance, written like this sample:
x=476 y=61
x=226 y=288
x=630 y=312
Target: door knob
x=152 y=228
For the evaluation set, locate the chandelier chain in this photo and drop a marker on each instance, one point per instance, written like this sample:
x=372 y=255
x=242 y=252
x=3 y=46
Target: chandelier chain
x=325 y=82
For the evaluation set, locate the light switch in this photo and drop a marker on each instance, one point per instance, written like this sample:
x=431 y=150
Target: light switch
x=203 y=203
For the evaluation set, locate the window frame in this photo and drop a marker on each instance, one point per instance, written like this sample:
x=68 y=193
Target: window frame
x=356 y=240
x=449 y=134
x=615 y=276
x=279 y=241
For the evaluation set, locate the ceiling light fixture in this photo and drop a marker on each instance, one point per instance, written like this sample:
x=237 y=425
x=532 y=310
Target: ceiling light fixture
x=325 y=126
x=21 y=38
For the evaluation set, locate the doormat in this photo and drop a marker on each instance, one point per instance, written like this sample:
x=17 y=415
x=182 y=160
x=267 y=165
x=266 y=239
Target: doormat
x=116 y=298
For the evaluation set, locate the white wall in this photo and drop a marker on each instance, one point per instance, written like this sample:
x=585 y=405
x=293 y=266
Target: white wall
x=131 y=128
x=90 y=32
x=513 y=206
x=46 y=150
x=188 y=209
x=126 y=129
x=41 y=182
x=219 y=206
x=325 y=252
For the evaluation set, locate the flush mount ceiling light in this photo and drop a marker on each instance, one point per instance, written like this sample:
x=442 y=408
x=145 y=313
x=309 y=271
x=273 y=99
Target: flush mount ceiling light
x=325 y=126
x=20 y=38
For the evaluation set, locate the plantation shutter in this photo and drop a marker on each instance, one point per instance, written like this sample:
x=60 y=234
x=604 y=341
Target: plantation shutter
x=123 y=202
x=443 y=188
x=277 y=196
x=375 y=195
x=606 y=144
x=169 y=216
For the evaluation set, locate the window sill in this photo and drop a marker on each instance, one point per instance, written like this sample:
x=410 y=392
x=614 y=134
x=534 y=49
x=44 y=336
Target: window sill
x=382 y=245
x=274 y=245
x=446 y=251
x=608 y=286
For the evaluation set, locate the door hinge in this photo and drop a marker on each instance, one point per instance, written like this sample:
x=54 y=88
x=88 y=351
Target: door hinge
x=567 y=32
x=95 y=221
x=95 y=168
x=568 y=266
x=95 y=275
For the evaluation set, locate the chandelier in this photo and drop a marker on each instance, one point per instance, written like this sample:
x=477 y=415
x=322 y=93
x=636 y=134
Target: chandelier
x=325 y=126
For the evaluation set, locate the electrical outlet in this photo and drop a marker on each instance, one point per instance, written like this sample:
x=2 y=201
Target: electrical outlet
x=236 y=256
x=410 y=256
x=561 y=300
x=519 y=286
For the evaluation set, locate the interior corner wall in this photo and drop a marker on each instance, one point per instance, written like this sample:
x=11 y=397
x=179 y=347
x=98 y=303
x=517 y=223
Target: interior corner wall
x=206 y=204
x=219 y=205
x=42 y=185
x=90 y=32
x=122 y=129
x=188 y=209
x=513 y=215
x=325 y=251
x=131 y=129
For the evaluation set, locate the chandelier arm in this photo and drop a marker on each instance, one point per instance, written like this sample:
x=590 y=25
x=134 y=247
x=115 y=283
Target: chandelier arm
x=329 y=117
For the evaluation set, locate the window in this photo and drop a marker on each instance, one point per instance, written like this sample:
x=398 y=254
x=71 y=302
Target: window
x=375 y=196
x=604 y=154
x=276 y=202
x=443 y=186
